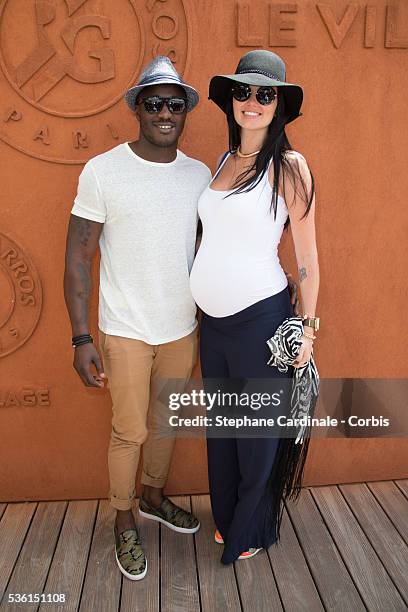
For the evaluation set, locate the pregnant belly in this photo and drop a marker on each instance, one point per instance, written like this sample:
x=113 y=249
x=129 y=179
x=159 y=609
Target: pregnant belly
x=229 y=285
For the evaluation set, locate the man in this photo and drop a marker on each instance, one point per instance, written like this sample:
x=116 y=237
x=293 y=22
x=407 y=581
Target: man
x=139 y=200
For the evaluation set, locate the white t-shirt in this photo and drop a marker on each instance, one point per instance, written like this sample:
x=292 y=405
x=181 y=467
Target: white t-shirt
x=149 y=212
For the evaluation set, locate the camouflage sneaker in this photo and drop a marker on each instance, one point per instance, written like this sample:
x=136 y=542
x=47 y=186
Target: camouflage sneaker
x=129 y=554
x=170 y=515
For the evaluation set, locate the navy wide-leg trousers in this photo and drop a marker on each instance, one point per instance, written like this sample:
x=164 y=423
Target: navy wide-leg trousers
x=234 y=347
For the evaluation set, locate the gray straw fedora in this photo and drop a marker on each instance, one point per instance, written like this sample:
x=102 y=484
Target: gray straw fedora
x=261 y=68
x=161 y=71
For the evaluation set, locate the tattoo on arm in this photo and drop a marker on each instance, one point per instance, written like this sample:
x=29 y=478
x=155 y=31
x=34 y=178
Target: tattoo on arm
x=84 y=292
x=302 y=274
x=83 y=227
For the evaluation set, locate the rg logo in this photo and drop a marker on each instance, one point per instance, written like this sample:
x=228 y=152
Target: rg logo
x=51 y=64
x=66 y=67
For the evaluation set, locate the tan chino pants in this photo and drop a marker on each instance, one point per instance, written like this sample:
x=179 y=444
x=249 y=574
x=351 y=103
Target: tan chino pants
x=136 y=374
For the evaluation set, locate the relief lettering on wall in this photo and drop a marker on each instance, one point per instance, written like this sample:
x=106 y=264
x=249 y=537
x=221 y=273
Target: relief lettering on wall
x=66 y=65
x=272 y=24
x=21 y=291
x=24 y=397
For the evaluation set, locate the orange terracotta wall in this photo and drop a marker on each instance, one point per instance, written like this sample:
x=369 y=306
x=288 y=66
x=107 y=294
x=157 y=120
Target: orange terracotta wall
x=64 y=68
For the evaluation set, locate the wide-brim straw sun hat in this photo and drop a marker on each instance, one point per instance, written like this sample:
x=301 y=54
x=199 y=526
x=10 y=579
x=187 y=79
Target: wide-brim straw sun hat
x=260 y=68
x=161 y=71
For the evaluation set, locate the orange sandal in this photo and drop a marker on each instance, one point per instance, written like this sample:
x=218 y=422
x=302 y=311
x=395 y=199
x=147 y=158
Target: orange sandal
x=218 y=537
x=251 y=552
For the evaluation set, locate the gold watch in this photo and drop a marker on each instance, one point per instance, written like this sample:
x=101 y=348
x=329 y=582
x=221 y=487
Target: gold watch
x=313 y=322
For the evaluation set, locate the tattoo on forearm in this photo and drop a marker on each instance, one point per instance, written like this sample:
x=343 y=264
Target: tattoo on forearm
x=302 y=274
x=84 y=292
x=83 y=227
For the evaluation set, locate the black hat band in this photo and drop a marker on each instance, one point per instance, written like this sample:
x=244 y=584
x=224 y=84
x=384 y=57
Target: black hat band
x=159 y=77
x=267 y=74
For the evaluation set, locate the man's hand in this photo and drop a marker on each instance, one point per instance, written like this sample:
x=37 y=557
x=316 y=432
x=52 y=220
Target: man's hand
x=294 y=294
x=85 y=356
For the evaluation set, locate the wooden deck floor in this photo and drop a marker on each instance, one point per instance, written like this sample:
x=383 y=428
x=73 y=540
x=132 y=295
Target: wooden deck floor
x=343 y=548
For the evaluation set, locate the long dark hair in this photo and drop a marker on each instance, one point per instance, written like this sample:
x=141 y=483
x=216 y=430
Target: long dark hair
x=275 y=146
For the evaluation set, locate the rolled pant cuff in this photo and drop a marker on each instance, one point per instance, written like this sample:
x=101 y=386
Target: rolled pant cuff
x=122 y=503
x=151 y=481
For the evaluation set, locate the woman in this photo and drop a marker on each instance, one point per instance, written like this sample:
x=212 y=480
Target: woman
x=260 y=187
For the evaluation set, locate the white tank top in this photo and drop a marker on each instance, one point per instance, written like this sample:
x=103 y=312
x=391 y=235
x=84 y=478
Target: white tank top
x=237 y=263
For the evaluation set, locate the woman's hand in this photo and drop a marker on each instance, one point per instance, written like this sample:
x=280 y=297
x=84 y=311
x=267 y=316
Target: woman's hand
x=294 y=294
x=304 y=352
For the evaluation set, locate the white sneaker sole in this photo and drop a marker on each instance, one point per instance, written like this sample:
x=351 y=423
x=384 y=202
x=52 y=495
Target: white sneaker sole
x=218 y=541
x=250 y=556
x=169 y=525
x=125 y=573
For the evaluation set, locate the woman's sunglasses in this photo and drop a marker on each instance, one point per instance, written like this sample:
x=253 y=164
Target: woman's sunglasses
x=264 y=95
x=154 y=104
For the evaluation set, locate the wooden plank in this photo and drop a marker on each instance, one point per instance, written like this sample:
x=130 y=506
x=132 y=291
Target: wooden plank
x=378 y=528
x=403 y=486
x=68 y=566
x=179 y=587
x=30 y=572
x=2 y=509
x=394 y=504
x=144 y=595
x=102 y=584
x=218 y=587
x=13 y=529
x=335 y=586
x=295 y=582
x=374 y=584
x=256 y=584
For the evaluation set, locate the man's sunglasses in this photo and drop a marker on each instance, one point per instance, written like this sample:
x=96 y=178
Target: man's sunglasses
x=154 y=104
x=264 y=95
